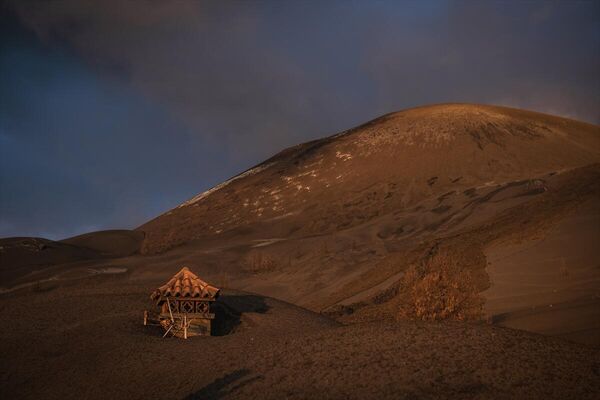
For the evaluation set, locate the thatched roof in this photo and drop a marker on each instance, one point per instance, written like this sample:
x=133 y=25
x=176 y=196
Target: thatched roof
x=185 y=284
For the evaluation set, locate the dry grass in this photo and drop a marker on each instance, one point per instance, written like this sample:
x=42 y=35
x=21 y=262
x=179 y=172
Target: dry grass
x=258 y=262
x=441 y=288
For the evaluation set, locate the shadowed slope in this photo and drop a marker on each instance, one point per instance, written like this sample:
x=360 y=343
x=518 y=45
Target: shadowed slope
x=23 y=259
x=116 y=243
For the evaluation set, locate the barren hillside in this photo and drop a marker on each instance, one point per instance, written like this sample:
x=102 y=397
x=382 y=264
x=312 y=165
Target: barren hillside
x=442 y=212
x=391 y=163
x=381 y=220
x=345 y=263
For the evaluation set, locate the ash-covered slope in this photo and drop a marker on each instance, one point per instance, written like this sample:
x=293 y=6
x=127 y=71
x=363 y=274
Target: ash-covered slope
x=275 y=350
x=449 y=211
x=391 y=163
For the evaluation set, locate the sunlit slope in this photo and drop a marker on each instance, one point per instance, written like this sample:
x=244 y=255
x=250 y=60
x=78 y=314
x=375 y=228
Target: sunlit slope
x=400 y=218
x=391 y=163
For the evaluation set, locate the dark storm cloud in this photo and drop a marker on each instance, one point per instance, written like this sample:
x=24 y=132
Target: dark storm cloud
x=206 y=89
x=543 y=56
x=79 y=152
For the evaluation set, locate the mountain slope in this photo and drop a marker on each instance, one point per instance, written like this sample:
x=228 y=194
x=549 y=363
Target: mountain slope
x=396 y=218
x=390 y=163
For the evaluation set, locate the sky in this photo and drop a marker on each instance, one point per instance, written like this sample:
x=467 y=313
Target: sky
x=112 y=112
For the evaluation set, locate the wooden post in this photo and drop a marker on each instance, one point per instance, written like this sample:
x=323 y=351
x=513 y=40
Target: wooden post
x=170 y=313
x=185 y=326
x=168 y=330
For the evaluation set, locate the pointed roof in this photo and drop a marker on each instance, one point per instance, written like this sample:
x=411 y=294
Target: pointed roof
x=185 y=284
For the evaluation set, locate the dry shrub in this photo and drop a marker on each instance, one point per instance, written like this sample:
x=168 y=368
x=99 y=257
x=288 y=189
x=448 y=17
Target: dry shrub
x=258 y=262
x=441 y=288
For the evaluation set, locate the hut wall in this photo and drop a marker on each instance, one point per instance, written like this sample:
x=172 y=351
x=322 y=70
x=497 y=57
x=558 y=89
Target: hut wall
x=198 y=327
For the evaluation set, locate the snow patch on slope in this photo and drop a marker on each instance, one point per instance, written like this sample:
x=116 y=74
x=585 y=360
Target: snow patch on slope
x=203 y=195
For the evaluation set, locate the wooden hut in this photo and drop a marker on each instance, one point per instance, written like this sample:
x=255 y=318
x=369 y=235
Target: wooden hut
x=185 y=305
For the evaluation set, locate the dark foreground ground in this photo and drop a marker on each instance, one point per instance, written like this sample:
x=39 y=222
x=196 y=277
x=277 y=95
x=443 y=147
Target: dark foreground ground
x=86 y=341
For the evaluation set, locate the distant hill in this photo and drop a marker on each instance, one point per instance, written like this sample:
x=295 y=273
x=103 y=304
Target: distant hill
x=117 y=243
x=23 y=258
